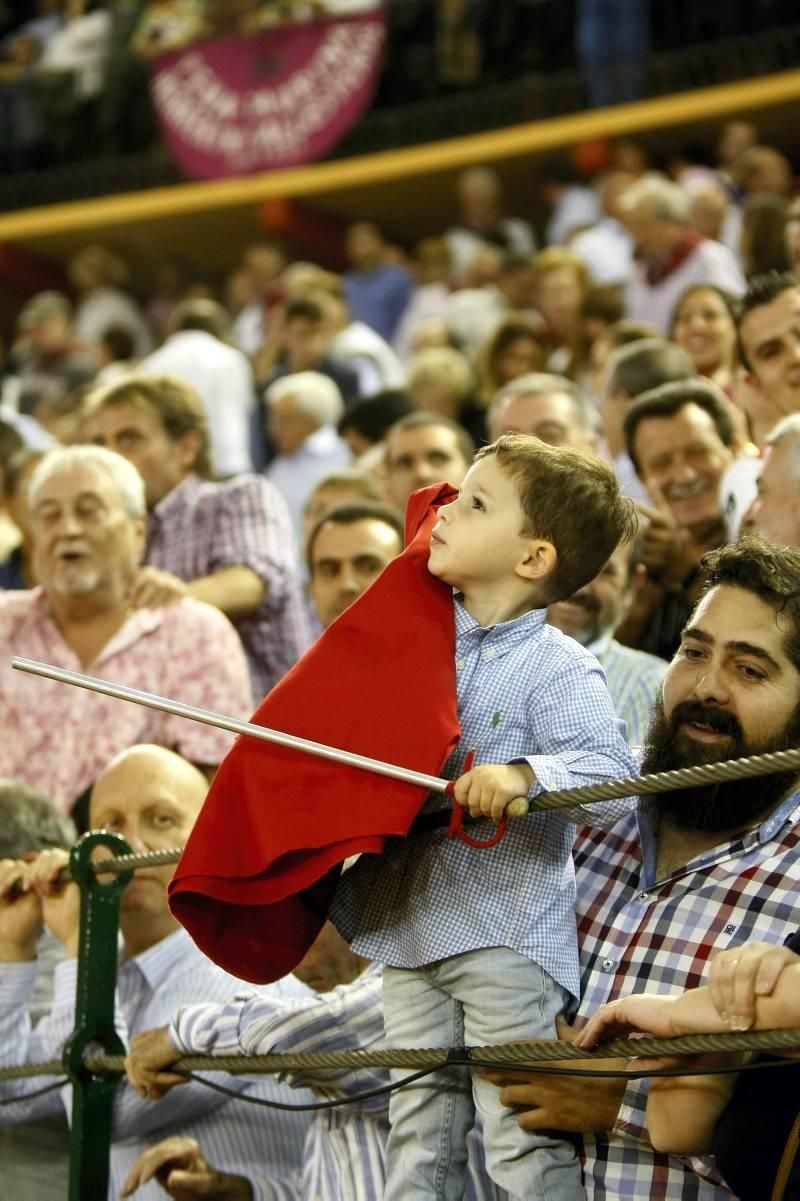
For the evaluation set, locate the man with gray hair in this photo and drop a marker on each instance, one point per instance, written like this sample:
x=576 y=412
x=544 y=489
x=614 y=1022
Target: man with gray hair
x=87 y=511
x=670 y=254
x=775 y=512
x=551 y=407
x=302 y=413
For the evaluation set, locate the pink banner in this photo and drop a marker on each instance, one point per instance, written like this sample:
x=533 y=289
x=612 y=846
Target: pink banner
x=233 y=106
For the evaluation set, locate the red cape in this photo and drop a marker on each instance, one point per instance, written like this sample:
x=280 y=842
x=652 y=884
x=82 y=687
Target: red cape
x=259 y=870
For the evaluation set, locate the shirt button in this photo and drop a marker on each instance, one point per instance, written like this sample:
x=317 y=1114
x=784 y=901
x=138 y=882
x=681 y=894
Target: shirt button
x=459 y=664
x=488 y=653
x=608 y=964
x=644 y=896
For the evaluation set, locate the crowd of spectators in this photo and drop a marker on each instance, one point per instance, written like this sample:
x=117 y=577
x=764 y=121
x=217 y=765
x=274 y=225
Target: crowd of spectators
x=196 y=482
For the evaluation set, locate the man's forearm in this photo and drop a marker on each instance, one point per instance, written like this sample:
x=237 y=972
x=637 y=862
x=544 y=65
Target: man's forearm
x=236 y=591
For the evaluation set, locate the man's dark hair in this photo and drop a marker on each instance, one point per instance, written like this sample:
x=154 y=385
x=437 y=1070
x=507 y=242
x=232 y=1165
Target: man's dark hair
x=770 y=572
x=762 y=289
x=120 y=341
x=349 y=514
x=421 y=418
x=374 y=415
x=645 y=364
x=669 y=399
x=30 y=822
x=303 y=307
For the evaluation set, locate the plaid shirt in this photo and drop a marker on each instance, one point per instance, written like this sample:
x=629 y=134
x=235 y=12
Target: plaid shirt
x=524 y=690
x=639 y=934
x=200 y=528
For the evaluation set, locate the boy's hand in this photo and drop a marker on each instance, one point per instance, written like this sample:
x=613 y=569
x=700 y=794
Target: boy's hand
x=487 y=790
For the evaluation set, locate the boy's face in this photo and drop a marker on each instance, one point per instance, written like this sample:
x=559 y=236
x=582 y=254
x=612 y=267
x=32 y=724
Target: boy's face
x=478 y=538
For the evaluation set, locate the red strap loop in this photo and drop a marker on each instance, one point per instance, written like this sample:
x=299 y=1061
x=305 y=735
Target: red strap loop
x=456 y=827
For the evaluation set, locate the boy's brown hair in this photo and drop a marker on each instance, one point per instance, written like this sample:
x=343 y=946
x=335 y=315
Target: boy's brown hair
x=569 y=499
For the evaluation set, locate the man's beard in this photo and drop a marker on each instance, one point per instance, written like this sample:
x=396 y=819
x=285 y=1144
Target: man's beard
x=714 y=808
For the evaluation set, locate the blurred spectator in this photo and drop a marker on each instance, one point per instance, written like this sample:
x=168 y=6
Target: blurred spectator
x=115 y=354
x=227 y=544
x=35 y=1154
x=87 y=511
x=473 y=313
x=442 y=380
x=704 y=324
x=301 y=341
x=670 y=254
x=560 y=285
x=170 y=282
x=98 y=277
x=80 y=48
x=355 y=345
x=377 y=290
x=431 y=265
x=793 y=235
x=366 y=422
x=262 y=264
x=621 y=333
x=425 y=448
x=601 y=308
x=168 y=25
x=775 y=512
x=735 y=138
x=197 y=351
x=769 y=345
x=512 y=350
x=48 y=359
x=612 y=38
x=605 y=248
x=549 y=407
x=712 y=212
x=680 y=439
x=302 y=412
x=762 y=242
x=592 y=614
x=573 y=206
x=763 y=169
x=633 y=369
x=349 y=486
x=17 y=570
x=481 y=219
x=347 y=548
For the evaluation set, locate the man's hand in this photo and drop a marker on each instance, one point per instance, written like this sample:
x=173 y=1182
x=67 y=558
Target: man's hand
x=185 y=1174
x=488 y=789
x=154 y=588
x=61 y=902
x=150 y=1052
x=665 y=545
x=20 y=914
x=574 y=1103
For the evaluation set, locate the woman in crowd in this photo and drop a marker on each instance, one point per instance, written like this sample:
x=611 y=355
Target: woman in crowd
x=704 y=324
x=511 y=351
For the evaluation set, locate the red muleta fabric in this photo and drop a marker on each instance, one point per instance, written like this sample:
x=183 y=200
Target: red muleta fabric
x=258 y=873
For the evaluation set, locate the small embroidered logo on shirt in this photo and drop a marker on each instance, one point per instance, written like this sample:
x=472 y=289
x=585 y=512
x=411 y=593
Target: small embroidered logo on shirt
x=496 y=719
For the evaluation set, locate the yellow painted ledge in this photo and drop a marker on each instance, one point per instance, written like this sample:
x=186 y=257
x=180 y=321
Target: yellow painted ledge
x=429 y=158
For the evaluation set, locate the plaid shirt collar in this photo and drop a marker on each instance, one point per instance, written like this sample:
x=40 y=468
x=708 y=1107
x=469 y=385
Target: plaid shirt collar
x=181 y=497
x=786 y=813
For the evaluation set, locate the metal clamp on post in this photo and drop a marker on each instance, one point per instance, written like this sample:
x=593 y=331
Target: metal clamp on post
x=92 y=1092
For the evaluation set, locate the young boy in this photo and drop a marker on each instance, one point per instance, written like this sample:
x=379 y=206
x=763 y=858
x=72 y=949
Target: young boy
x=480 y=945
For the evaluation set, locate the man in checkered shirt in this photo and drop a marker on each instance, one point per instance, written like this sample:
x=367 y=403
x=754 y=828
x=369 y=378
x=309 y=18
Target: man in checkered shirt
x=692 y=872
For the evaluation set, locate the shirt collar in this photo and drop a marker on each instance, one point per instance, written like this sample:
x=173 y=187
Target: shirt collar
x=181 y=495
x=162 y=959
x=600 y=645
x=784 y=814
x=504 y=634
x=139 y=623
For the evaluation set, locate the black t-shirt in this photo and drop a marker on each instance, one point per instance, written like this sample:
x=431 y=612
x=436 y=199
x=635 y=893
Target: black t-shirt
x=751 y=1134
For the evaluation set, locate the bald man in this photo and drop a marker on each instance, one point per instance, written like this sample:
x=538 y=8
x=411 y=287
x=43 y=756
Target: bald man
x=151 y=797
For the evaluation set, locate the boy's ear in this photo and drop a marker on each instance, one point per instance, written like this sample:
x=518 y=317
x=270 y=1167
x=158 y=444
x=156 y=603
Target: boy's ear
x=539 y=560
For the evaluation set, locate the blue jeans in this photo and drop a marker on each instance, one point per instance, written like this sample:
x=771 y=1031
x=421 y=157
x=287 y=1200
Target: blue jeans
x=613 y=40
x=477 y=999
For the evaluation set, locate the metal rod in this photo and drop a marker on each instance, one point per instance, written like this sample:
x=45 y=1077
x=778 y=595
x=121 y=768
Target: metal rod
x=208 y=717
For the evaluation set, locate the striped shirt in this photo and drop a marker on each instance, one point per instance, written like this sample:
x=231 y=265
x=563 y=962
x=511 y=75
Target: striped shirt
x=151 y=987
x=345 y=1148
x=525 y=691
x=638 y=933
x=200 y=528
x=634 y=680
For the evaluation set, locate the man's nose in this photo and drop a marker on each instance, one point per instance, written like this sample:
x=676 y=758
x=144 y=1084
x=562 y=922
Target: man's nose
x=710 y=684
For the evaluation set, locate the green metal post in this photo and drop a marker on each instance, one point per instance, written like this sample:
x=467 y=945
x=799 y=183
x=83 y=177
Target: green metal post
x=93 y=1093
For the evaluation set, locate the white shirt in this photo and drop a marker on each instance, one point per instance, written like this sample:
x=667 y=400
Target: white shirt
x=709 y=263
x=607 y=251
x=224 y=381
x=82 y=46
x=111 y=306
x=464 y=243
x=576 y=208
x=370 y=356
x=473 y=315
x=295 y=475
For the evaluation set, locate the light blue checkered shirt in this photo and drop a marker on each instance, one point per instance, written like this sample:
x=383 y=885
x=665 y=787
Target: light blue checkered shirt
x=525 y=691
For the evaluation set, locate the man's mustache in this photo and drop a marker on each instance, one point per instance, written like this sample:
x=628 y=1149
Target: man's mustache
x=696 y=713
x=584 y=601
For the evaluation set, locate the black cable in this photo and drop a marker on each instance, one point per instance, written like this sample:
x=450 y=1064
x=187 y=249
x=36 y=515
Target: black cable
x=48 y=1088
x=610 y=1073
